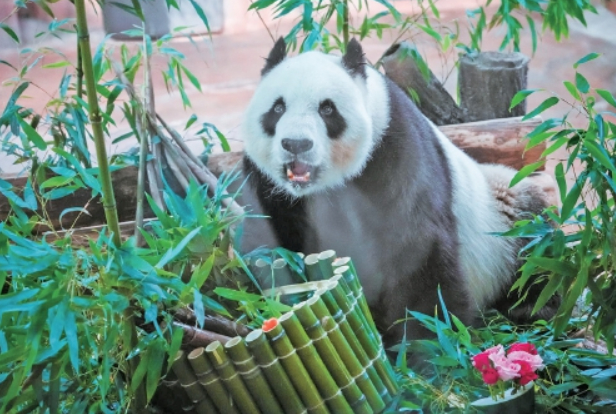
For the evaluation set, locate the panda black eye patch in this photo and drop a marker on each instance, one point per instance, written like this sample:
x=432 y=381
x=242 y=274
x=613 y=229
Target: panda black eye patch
x=334 y=122
x=271 y=117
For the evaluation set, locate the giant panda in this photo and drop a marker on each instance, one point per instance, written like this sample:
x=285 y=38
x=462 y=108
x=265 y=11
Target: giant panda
x=338 y=157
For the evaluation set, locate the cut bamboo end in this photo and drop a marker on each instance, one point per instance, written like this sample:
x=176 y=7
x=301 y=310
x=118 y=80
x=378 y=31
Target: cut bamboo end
x=313 y=270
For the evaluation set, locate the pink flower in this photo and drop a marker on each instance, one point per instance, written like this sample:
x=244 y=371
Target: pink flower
x=526 y=347
x=535 y=361
x=507 y=370
x=495 y=350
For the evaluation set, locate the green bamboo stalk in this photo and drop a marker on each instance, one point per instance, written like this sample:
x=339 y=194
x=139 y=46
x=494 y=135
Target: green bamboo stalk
x=345 y=23
x=344 y=349
x=253 y=376
x=314 y=364
x=143 y=145
x=313 y=270
x=326 y=258
x=323 y=311
x=282 y=273
x=209 y=379
x=193 y=389
x=231 y=378
x=296 y=370
x=334 y=360
x=109 y=204
x=335 y=298
x=274 y=372
x=352 y=281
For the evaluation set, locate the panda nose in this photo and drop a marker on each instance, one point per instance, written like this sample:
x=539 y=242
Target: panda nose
x=296 y=146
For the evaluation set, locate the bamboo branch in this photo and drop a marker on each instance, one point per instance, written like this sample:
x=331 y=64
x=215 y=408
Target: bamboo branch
x=195 y=337
x=212 y=323
x=143 y=146
x=109 y=205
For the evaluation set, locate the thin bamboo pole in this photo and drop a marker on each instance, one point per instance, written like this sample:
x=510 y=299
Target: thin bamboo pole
x=109 y=204
x=326 y=259
x=319 y=373
x=253 y=376
x=194 y=390
x=209 y=379
x=313 y=270
x=141 y=120
x=227 y=372
x=332 y=358
x=336 y=299
x=323 y=312
x=275 y=373
x=295 y=369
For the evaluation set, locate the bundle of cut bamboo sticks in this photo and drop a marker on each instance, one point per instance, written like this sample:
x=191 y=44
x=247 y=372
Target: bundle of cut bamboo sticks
x=324 y=356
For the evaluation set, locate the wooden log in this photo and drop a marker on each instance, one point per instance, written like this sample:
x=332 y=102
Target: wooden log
x=434 y=101
x=488 y=81
x=495 y=141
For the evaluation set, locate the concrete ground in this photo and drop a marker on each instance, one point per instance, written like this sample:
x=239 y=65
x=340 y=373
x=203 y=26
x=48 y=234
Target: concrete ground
x=228 y=66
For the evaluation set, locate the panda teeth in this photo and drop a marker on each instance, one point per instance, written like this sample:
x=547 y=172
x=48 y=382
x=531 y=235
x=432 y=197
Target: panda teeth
x=304 y=178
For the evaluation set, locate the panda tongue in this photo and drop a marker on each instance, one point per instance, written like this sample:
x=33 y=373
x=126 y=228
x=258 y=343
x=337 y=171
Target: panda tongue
x=298 y=171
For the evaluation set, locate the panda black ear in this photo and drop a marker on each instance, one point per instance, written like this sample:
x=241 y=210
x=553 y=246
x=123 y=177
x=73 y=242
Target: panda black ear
x=276 y=55
x=354 y=61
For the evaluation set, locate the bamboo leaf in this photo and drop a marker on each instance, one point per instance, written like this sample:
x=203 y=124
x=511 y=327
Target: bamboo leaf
x=546 y=294
x=55 y=65
x=572 y=90
x=581 y=83
x=32 y=135
x=609 y=98
x=585 y=59
x=202 y=272
x=201 y=14
x=9 y=31
x=154 y=372
x=173 y=253
x=520 y=96
x=570 y=201
x=525 y=172
x=559 y=174
x=142 y=368
x=548 y=103
x=600 y=154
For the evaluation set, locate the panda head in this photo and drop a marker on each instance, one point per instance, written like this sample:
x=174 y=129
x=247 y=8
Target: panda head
x=309 y=125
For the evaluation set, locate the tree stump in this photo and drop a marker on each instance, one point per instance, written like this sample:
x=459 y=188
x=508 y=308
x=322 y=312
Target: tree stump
x=488 y=81
x=434 y=101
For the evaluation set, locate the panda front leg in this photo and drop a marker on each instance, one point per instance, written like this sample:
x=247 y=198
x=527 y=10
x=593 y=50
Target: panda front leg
x=417 y=290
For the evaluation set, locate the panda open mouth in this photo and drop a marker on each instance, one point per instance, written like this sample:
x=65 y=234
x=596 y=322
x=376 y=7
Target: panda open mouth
x=299 y=172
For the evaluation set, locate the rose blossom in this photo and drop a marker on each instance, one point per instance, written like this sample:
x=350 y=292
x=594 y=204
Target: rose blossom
x=495 y=350
x=530 y=348
x=527 y=373
x=507 y=369
x=490 y=376
x=535 y=361
x=482 y=361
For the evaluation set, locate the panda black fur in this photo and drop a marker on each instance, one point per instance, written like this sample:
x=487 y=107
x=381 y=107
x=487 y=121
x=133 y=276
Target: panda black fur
x=340 y=158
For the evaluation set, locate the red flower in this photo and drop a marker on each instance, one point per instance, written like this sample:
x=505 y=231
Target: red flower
x=527 y=374
x=482 y=361
x=490 y=376
x=526 y=347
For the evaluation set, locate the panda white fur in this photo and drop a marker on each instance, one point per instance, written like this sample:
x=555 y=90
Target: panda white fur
x=340 y=158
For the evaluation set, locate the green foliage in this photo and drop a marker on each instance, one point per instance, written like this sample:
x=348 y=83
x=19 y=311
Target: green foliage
x=577 y=253
x=69 y=305
x=553 y=13
x=575 y=379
